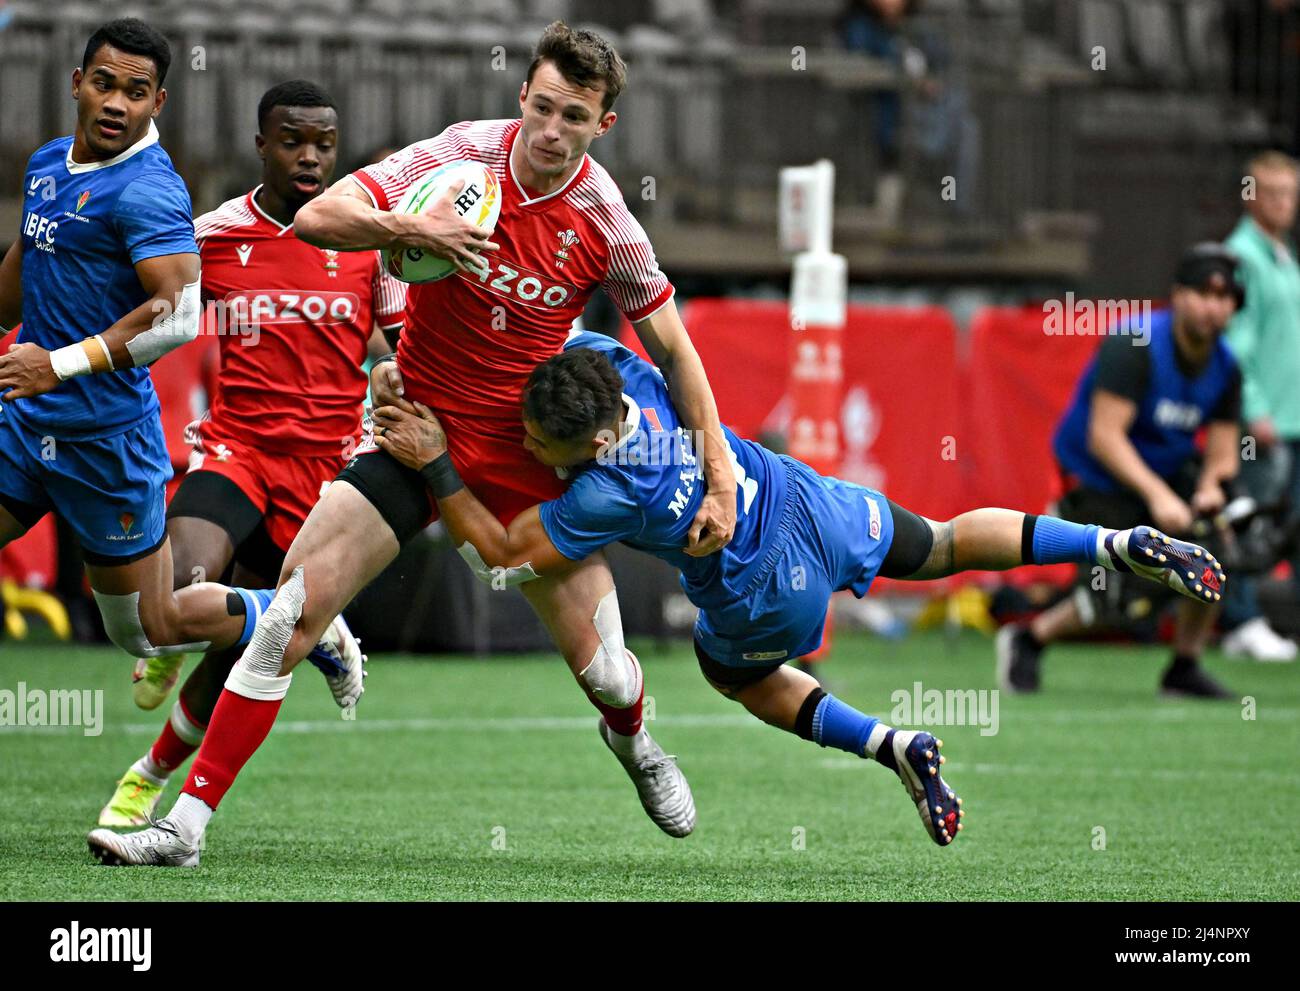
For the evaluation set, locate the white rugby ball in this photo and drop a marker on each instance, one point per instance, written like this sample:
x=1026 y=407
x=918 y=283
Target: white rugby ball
x=479 y=203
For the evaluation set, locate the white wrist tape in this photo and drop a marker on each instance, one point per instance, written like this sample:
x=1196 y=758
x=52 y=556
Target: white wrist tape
x=85 y=358
x=498 y=577
x=70 y=362
x=168 y=332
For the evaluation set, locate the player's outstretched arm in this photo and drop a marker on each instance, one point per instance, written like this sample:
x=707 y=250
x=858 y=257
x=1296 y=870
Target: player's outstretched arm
x=11 y=287
x=165 y=321
x=515 y=553
x=669 y=346
x=345 y=219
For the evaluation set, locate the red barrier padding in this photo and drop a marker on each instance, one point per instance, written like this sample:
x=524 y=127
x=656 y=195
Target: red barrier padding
x=1019 y=380
x=744 y=345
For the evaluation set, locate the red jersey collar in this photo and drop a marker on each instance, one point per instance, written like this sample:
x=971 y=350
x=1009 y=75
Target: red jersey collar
x=528 y=199
x=263 y=215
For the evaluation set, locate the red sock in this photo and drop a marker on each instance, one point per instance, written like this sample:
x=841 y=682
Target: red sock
x=169 y=751
x=237 y=729
x=626 y=722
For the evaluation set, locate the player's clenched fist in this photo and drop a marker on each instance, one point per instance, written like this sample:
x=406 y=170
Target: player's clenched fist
x=713 y=525
x=26 y=371
x=445 y=233
x=414 y=440
x=386 y=386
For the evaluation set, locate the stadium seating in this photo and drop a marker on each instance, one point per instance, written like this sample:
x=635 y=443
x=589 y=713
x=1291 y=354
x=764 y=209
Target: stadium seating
x=699 y=71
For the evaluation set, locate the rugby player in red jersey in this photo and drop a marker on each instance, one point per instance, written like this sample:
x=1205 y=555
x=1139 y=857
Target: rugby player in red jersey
x=470 y=342
x=293 y=322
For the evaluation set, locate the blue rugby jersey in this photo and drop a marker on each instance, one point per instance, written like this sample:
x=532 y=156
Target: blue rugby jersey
x=647 y=490
x=84 y=227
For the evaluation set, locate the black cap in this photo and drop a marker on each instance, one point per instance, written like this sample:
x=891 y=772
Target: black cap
x=1211 y=265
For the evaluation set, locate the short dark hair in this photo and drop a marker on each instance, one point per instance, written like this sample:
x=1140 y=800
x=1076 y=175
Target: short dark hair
x=572 y=394
x=583 y=57
x=292 y=93
x=130 y=34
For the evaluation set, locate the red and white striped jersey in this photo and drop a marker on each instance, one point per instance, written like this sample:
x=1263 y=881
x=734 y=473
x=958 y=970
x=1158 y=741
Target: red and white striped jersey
x=471 y=341
x=293 y=321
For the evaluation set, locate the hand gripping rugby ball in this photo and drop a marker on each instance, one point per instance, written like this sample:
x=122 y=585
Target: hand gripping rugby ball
x=479 y=203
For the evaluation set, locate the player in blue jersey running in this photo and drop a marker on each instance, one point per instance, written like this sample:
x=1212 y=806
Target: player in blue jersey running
x=604 y=415
x=105 y=280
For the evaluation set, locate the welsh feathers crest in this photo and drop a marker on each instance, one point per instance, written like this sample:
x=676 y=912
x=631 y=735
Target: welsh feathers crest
x=568 y=239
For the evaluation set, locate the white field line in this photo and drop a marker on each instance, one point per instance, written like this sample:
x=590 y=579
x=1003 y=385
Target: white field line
x=1164 y=713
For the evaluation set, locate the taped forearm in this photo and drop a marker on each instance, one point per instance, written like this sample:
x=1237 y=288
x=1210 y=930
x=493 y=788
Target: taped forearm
x=180 y=326
x=94 y=354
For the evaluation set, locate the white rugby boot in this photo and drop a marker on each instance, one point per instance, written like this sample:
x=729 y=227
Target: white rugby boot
x=160 y=845
x=338 y=656
x=663 y=788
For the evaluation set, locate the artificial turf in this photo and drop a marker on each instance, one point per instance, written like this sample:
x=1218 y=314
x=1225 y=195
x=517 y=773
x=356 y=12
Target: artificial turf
x=485 y=779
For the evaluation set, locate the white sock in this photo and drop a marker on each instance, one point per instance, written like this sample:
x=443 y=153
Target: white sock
x=150 y=771
x=877 y=737
x=190 y=817
x=630 y=746
x=1103 y=555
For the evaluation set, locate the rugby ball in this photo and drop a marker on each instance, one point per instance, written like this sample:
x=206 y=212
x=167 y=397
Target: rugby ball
x=479 y=203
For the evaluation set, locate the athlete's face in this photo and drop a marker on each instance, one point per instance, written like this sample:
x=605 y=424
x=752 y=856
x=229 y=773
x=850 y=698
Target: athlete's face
x=299 y=148
x=560 y=120
x=558 y=453
x=1277 y=192
x=117 y=95
x=1204 y=312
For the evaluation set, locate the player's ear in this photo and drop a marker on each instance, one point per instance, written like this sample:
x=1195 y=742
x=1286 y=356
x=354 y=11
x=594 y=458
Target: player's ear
x=523 y=94
x=603 y=439
x=260 y=142
x=77 y=77
x=606 y=122
x=158 y=102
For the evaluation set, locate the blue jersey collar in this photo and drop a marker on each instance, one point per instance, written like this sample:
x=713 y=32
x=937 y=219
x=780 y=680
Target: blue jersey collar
x=76 y=168
x=630 y=426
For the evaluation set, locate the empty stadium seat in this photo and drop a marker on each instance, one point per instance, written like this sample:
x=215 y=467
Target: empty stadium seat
x=1156 y=41
x=1101 y=23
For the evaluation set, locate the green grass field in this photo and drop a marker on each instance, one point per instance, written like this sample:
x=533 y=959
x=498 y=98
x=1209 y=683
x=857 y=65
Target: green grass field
x=449 y=754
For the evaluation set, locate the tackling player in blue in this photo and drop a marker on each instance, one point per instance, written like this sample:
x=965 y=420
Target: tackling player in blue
x=105 y=280
x=604 y=415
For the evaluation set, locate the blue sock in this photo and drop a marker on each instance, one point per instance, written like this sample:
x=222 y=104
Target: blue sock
x=255 y=602
x=842 y=726
x=1047 y=540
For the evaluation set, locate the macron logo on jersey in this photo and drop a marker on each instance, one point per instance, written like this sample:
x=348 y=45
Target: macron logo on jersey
x=43 y=184
x=244 y=251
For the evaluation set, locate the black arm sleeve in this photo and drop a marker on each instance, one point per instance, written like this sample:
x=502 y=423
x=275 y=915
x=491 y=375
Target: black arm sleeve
x=1229 y=405
x=1123 y=367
